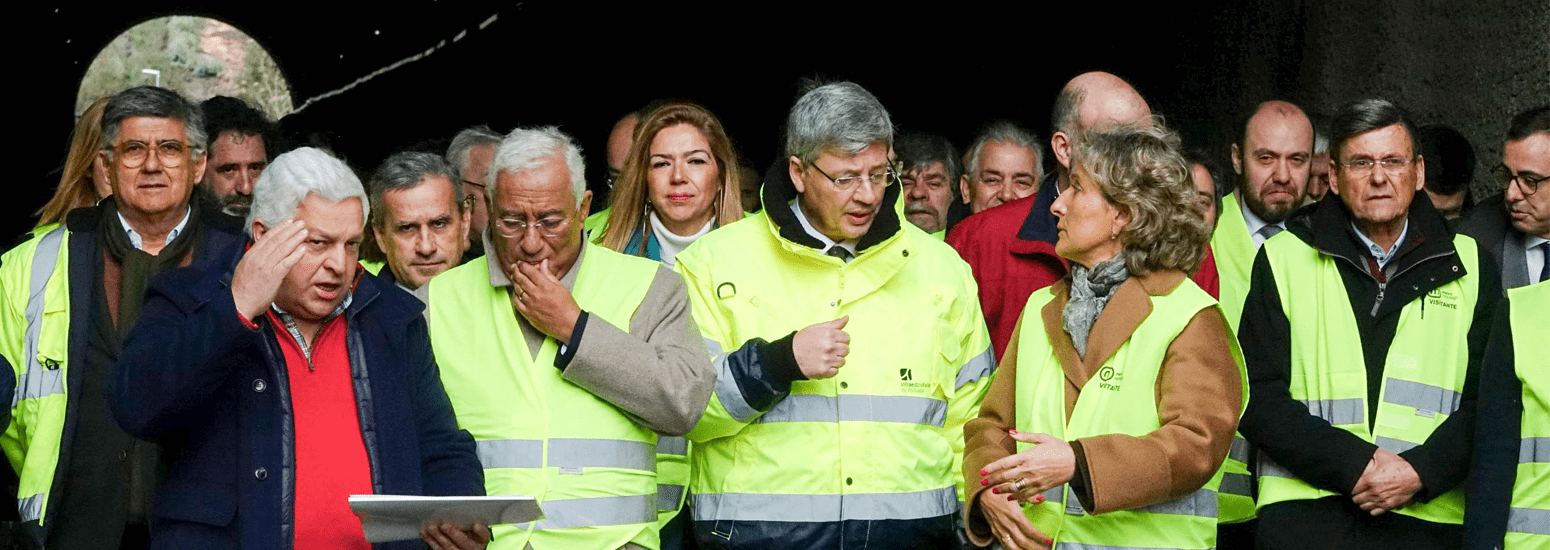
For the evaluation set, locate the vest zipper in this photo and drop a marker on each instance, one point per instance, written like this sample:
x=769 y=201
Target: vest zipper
x=1379 y=301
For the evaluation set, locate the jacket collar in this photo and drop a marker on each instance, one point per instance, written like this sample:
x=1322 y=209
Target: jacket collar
x=1131 y=304
x=778 y=192
x=1038 y=234
x=1326 y=226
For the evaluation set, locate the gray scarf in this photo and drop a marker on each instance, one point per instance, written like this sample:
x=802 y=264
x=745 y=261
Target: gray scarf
x=1090 y=291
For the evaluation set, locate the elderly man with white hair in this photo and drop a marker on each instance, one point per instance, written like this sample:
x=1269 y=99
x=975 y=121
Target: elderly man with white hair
x=281 y=378
x=565 y=359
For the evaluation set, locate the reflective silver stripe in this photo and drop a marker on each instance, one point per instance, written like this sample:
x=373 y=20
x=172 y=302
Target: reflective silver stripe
x=1421 y=396
x=1338 y=411
x=1534 y=449
x=1073 y=504
x=1268 y=467
x=726 y=385
x=1531 y=521
x=594 y=512
x=1237 y=484
x=1199 y=503
x=1394 y=445
x=38 y=380
x=602 y=453
x=672 y=445
x=1239 y=450
x=822 y=508
x=858 y=408
x=668 y=497
x=30 y=508
x=1054 y=494
x=979 y=367
x=511 y=453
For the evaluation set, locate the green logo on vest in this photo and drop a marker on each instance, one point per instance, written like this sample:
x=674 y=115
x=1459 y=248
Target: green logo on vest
x=1109 y=379
x=905 y=375
x=1442 y=298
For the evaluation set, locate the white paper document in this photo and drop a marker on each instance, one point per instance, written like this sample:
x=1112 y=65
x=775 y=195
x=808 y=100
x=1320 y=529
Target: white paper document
x=387 y=518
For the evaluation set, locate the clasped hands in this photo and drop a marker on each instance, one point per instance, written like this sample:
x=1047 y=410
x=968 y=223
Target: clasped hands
x=1388 y=483
x=1022 y=477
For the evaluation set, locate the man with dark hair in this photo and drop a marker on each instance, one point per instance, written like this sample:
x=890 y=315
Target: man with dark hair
x=84 y=482
x=1450 y=165
x=930 y=170
x=419 y=217
x=1515 y=226
x=1004 y=164
x=239 y=137
x=1367 y=453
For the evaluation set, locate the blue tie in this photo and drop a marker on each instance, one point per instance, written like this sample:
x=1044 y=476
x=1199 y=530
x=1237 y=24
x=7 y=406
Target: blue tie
x=1544 y=266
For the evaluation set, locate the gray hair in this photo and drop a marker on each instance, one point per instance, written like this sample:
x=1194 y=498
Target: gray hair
x=842 y=117
x=151 y=101
x=465 y=142
x=1003 y=131
x=288 y=180
x=529 y=148
x=408 y=170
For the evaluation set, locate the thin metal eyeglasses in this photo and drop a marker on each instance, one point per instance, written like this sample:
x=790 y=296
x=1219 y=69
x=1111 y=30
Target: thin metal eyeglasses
x=133 y=153
x=1363 y=166
x=882 y=179
x=549 y=227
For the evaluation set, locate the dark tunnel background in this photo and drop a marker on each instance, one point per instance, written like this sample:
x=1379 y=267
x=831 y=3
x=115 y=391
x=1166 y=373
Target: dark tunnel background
x=948 y=68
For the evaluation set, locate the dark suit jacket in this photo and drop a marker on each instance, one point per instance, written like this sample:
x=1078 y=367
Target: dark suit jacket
x=1492 y=228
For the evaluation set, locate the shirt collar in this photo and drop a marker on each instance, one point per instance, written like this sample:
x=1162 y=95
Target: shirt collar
x=1255 y=224
x=849 y=244
x=1531 y=241
x=1377 y=252
x=138 y=241
x=498 y=276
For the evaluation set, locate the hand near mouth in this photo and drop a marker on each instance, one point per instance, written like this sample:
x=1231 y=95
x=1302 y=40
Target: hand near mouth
x=538 y=295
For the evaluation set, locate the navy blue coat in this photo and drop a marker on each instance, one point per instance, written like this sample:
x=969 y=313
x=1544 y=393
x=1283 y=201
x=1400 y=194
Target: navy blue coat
x=214 y=393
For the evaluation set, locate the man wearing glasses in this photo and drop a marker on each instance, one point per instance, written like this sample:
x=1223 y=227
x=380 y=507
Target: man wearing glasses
x=68 y=298
x=1515 y=227
x=849 y=432
x=470 y=152
x=565 y=359
x=1363 y=331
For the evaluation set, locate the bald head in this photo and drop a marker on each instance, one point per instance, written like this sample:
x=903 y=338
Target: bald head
x=1093 y=101
x=619 y=142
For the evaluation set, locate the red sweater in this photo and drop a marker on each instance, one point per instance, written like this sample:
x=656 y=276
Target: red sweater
x=331 y=461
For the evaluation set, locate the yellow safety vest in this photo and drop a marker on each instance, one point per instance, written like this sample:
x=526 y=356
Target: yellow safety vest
x=1234 y=251
x=1528 y=521
x=1121 y=399
x=592 y=468
x=34 y=338
x=883 y=440
x=1423 y=376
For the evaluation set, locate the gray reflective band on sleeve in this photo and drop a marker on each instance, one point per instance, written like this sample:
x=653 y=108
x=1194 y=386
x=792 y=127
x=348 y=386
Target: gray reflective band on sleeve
x=1395 y=446
x=672 y=445
x=1534 y=449
x=1268 y=467
x=822 y=508
x=858 y=408
x=38 y=381
x=1200 y=503
x=510 y=453
x=30 y=508
x=1338 y=411
x=595 y=512
x=1531 y=521
x=1239 y=450
x=602 y=453
x=1421 y=396
x=726 y=385
x=979 y=367
x=668 y=497
x=1237 y=484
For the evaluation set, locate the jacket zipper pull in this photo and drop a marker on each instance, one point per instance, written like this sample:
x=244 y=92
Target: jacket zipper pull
x=1379 y=301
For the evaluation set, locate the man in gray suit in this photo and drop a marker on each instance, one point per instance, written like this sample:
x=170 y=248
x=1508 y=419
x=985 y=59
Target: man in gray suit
x=1515 y=226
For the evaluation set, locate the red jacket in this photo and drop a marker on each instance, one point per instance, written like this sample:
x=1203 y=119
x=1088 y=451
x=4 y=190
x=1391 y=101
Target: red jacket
x=1012 y=251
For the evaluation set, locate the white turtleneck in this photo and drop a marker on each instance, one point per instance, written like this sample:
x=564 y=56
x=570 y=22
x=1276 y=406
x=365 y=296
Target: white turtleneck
x=673 y=243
